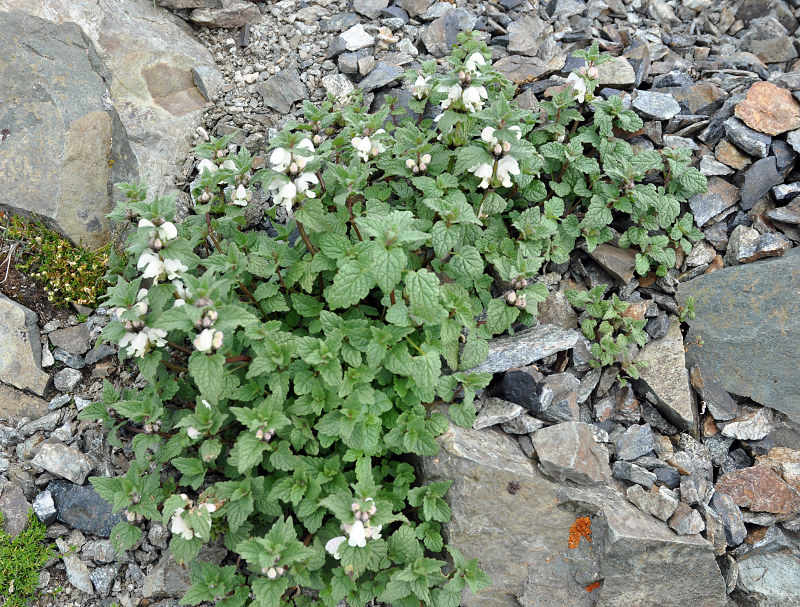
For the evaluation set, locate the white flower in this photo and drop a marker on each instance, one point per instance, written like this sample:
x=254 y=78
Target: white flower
x=472 y=63
x=472 y=98
x=373 y=533
x=578 y=86
x=138 y=344
x=206 y=165
x=206 y=404
x=173 y=268
x=506 y=167
x=307 y=144
x=453 y=94
x=332 y=547
x=420 y=87
x=166 y=231
x=241 y=196
x=229 y=164
x=179 y=526
x=487 y=134
x=209 y=507
x=363 y=147
x=280 y=159
x=208 y=339
x=484 y=171
x=357 y=535
x=304 y=182
x=153 y=266
x=193 y=432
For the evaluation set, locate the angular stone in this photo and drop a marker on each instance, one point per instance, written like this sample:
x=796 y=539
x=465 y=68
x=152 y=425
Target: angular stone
x=788 y=214
x=769 y=109
x=769 y=579
x=46 y=423
x=440 y=35
x=736 y=310
x=632 y=473
x=356 y=38
x=415 y=7
x=496 y=411
x=61 y=460
x=21 y=354
x=667 y=379
x=773 y=50
x=748 y=244
x=524 y=424
x=620 y=263
x=784 y=461
x=233 y=13
x=558 y=396
x=103 y=578
x=635 y=442
x=521 y=70
x=383 y=74
x=15 y=404
x=758 y=180
x=66 y=379
x=568 y=451
x=45 y=508
x=74 y=340
x=71 y=360
x=793 y=139
x=658 y=502
x=100 y=551
x=658 y=106
x=169 y=579
x=760 y=489
x=709 y=166
x=686 y=520
x=721 y=195
x=14 y=508
x=525 y=347
x=556 y=310
x=753 y=423
x=786 y=190
x=729 y=154
x=717 y=400
x=618 y=72
x=282 y=90
x=77 y=571
x=521 y=386
x=731 y=517
x=527 y=35
x=98 y=353
x=82 y=508
x=746 y=139
x=370 y=8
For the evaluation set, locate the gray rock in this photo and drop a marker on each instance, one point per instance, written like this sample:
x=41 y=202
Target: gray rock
x=731 y=516
x=98 y=353
x=440 y=35
x=233 y=13
x=558 y=395
x=769 y=580
x=717 y=401
x=77 y=571
x=74 y=340
x=14 y=508
x=667 y=379
x=356 y=38
x=46 y=423
x=45 y=508
x=100 y=551
x=66 y=379
x=659 y=501
x=524 y=424
x=618 y=72
x=635 y=442
x=746 y=139
x=59 y=401
x=71 y=360
x=103 y=578
x=753 y=423
x=370 y=8
x=793 y=139
x=525 y=347
x=82 y=508
x=748 y=244
x=668 y=475
x=718 y=445
x=61 y=460
x=721 y=195
x=788 y=214
x=568 y=451
x=686 y=521
x=383 y=74
x=527 y=35
x=658 y=326
x=21 y=354
x=710 y=166
x=338 y=22
x=415 y=7
x=496 y=411
x=784 y=155
x=169 y=579
x=786 y=190
x=159 y=535
x=620 y=263
x=758 y=180
x=282 y=90
x=632 y=473
x=659 y=106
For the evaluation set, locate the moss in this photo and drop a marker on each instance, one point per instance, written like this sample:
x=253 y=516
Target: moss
x=21 y=561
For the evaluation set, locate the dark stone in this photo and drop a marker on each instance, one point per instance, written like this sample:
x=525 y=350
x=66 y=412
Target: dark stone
x=657 y=326
x=383 y=74
x=521 y=386
x=632 y=473
x=283 y=89
x=80 y=506
x=715 y=130
x=635 y=442
x=392 y=12
x=71 y=360
x=746 y=139
x=718 y=402
x=674 y=78
x=788 y=214
x=736 y=460
x=98 y=353
x=668 y=475
x=784 y=155
x=558 y=396
x=758 y=180
x=731 y=516
x=338 y=23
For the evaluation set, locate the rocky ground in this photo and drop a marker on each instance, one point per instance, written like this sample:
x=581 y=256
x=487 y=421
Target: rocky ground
x=687 y=482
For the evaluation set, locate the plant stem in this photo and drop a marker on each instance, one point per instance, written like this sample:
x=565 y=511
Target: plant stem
x=211 y=233
x=305 y=238
x=181 y=348
x=174 y=367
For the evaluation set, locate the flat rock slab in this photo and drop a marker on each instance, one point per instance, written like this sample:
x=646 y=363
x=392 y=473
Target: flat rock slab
x=760 y=489
x=74 y=340
x=283 y=89
x=80 y=506
x=14 y=508
x=526 y=346
x=15 y=404
x=57 y=458
x=744 y=310
x=769 y=109
x=21 y=354
x=667 y=379
x=620 y=263
x=568 y=451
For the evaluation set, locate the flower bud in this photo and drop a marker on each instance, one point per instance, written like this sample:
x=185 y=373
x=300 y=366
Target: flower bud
x=317 y=139
x=426 y=159
x=302 y=161
x=157 y=244
x=272 y=573
x=423 y=167
x=511 y=297
x=131 y=516
x=410 y=164
x=355 y=507
x=521 y=303
x=415 y=169
x=212 y=314
x=582 y=70
x=498 y=149
x=259 y=434
x=374 y=151
x=462 y=75
x=220 y=153
x=506 y=146
x=206 y=322
x=372 y=509
x=205 y=197
x=280 y=570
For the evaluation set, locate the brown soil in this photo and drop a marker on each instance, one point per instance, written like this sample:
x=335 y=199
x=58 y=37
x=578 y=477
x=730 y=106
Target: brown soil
x=28 y=291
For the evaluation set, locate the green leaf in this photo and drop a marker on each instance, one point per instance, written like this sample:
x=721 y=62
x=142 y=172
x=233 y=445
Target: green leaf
x=500 y=316
x=207 y=372
x=124 y=536
x=387 y=266
x=469 y=157
x=351 y=284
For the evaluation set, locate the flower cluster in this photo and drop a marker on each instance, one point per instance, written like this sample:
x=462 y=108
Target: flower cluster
x=420 y=165
x=208 y=339
x=295 y=182
x=139 y=339
x=162 y=232
x=265 y=434
x=463 y=94
x=358 y=532
x=504 y=165
x=156 y=266
x=367 y=148
x=179 y=524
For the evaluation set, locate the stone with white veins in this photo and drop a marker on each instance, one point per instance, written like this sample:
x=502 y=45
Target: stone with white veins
x=660 y=106
x=710 y=166
x=61 y=460
x=753 y=423
x=524 y=347
x=496 y=411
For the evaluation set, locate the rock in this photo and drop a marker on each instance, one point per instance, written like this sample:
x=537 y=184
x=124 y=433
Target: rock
x=82 y=508
x=758 y=180
x=721 y=195
x=729 y=154
x=15 y=404
x=786 y=190
x=768 y=580
x=754 y=423
x=169 y=579
x=98 y=353
x=61 y=460
x=634 y=474
x=233 y=13
x=77 y=571
x=731 y=517
x=666 y=378
x=71 y=360
x=736 y=311
x=521 y=386
x=769 y=109
x=747 y=245
x=440 y=35
x=383 y=74
x=686 y=520
x=717 y=401
x=103 y=578
x=160 y=80
x=709 y=166
x=522 y=540
x=525 y=347
x=784 y=461
x=774 y=50
x=788 y=214
x=338 y=22
x=568 y=451
x=658 y=502
x=527 y=35
x=760 y=489
x=658 y=106
x=415 y=7
x=556 y=310
x=496 y=411
x=635 y=442
x=356 y=38
x=283 y=89
x=21 y=354
x=520 y=69
x=620 y=263
x=74 y=340
x=100 y=551
x=618 y=72
x=558 y=397
x=793 y=139
x=370 y=8
x=746 y=139
x=14 y=508
x=66 y=379
x=524 y=424
x=45 y=508
x=46 y=423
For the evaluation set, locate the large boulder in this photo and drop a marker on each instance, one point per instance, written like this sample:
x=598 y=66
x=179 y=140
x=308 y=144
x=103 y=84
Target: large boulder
x=528 y=533
x=21 y=351
x=748 y=317
x=156 y=80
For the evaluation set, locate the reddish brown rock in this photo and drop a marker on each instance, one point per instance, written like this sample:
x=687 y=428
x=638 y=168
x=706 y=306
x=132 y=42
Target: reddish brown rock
x=769 y=109
x=785 y=462
x=729 y=154
x=698 y=97
x=760 y=489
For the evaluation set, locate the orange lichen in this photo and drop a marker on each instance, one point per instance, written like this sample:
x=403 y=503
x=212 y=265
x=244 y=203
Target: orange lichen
x=582 y=527
x=592 y=586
